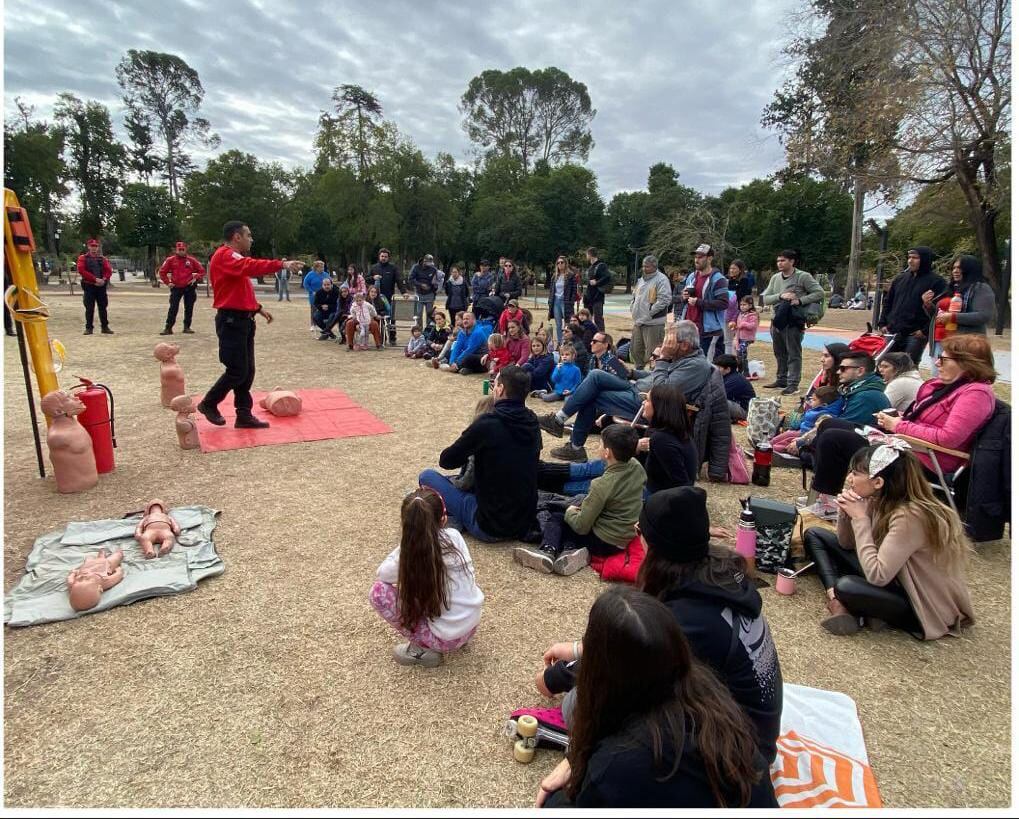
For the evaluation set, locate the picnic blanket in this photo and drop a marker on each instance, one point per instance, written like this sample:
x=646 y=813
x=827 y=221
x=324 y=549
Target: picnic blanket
x=822 y=759
x=41 y=595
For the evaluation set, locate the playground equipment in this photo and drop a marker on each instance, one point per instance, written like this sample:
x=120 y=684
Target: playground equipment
x=28 y=310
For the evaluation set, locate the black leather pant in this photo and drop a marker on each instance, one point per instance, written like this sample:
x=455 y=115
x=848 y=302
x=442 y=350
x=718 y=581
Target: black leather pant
x=840 y=569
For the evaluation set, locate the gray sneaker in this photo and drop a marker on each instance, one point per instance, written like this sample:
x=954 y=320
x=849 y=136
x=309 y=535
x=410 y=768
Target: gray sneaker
x=410 y=654
x=571 y=561
x=535 y=557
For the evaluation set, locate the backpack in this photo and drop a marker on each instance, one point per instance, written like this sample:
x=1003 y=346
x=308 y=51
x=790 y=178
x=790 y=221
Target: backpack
x=813 y=313
x=763 y=418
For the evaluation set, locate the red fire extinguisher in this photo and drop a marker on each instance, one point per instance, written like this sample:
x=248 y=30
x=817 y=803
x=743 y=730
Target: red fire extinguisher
x=98 y=421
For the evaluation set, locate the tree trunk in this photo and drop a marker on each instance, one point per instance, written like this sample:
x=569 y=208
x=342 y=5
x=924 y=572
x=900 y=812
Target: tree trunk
x=853 y=272
x=1006 y=282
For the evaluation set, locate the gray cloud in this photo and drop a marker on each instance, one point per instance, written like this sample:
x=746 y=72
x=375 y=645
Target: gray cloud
x=673 y=82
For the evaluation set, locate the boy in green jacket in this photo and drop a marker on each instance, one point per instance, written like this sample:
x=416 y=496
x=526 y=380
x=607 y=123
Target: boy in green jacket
x=603 y=523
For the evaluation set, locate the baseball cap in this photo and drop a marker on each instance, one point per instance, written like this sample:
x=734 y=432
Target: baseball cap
x=705 y=250
x=429 y=257
x=182 y=246
x=92 y=243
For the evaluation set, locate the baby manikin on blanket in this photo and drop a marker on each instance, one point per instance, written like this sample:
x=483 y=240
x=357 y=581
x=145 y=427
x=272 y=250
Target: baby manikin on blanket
x=41 y=595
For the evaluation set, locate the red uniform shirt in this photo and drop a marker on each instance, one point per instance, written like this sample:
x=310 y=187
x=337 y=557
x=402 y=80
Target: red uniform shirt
x=230 y=276
x=178 y=271
x=86 y=275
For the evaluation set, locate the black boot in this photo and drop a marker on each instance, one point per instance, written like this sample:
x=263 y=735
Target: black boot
x=249 y=421
x=167 y=331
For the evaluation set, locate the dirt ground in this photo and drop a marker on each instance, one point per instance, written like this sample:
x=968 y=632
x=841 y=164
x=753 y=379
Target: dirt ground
x=272 y=686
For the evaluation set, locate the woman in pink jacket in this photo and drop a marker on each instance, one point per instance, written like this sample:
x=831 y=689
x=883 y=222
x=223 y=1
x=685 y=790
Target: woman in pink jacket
x=518 y=344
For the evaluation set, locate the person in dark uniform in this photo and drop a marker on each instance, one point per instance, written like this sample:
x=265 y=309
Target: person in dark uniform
x=95 y=272
x=181 y=272
x=230 y=273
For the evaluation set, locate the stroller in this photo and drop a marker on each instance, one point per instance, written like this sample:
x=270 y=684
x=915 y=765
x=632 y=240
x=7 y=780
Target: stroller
x=873 y=344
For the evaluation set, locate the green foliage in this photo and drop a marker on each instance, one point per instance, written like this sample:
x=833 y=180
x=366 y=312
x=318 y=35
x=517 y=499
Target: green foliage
x=627 y=226
x=34 y=169
x=147 y=217
x=529 y=116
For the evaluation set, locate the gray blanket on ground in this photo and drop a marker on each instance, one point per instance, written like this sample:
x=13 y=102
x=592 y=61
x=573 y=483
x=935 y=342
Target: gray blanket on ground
x=41 y=595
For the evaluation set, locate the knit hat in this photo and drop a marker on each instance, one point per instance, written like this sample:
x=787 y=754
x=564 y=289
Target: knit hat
x=674 y=522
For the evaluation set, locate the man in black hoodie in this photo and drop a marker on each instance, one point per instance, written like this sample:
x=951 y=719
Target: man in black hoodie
x=386 y=277
x=903 y=310
x=506 y=444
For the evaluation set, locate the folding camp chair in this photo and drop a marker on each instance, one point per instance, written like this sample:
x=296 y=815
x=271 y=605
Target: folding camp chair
x=946 y=483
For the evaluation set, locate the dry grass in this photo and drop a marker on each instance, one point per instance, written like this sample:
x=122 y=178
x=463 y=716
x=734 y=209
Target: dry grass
x=272 y=686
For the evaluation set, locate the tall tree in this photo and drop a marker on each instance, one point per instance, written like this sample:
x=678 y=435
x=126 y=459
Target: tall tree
x=147 y=218
x=960 y=52
x=35 y=170
x=529 y=115
x=97 y=159
x=141 y=156
x=628 y=228
x=838 y=115
x=165 y=89
x=356 y=135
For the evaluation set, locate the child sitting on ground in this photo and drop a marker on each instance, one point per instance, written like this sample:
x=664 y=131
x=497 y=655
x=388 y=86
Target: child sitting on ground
x=746 y=330
x=603 y=523
x=465 y=480
x=498 y=356
x=436 y=335
x=426 y=588
x=738 y=391
x=582 y=358
x=417 y=345
x=823 y=401
x=540 y=365
x=565 y=377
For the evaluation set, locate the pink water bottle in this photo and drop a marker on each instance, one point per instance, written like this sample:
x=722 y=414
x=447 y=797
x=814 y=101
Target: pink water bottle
x=746 y=535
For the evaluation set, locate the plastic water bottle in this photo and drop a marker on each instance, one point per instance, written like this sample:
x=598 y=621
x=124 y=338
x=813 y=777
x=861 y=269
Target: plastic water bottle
x=762 y=464
x=954 y=308
x=746 y=534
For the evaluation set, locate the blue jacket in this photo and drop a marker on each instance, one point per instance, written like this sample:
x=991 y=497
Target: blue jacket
x=566 y=377
x=810 y=416
x=481 y=285
x=313 y=283
x=469 y=344
x=738 y=389
x=540 y=369
x=864 y=397
x=717 y=290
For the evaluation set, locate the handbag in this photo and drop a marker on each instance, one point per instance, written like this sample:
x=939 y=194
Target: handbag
x=737 y=466
x=763 y=417
x=774 y=521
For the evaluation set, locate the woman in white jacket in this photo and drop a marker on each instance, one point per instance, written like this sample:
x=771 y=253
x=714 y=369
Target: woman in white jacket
x=902 y=379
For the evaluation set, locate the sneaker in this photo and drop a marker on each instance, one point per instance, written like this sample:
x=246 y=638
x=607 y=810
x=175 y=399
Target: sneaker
x=323 y=337
x=775 y=385
x=826 y=510
x=249 y=422
x=537 y=393
x=539 y=558
x=841 y=622
x=552 y=425
x=410 y=654
x=189 y=331
x=88 y=331
x=568 y=452
x=167 y=331
x=106 y=331
x=790 y=390
x=211 y=413
x=571 y=561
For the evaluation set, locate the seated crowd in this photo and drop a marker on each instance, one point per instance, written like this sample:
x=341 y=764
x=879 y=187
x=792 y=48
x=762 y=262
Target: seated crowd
x=649 y=723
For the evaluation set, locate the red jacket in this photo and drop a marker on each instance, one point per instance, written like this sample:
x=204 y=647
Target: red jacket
x=497 y=359
x=97 y=263
x=230 y=276
x=180 y=271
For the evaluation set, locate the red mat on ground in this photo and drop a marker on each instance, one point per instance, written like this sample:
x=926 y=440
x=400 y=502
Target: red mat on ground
x=324 y=414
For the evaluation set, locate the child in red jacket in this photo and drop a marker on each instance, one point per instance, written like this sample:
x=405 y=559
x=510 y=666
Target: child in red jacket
x=498 y=356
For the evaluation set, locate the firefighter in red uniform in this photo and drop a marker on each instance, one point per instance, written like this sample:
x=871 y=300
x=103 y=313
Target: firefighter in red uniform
x=230 y=274
x=95 y=272
x=181 y=272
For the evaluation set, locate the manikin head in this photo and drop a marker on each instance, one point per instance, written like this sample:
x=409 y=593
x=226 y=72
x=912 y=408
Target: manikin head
x=166 y=352
x=84 y=592
x=155 y=505
x=183 y=403
x=58 y=403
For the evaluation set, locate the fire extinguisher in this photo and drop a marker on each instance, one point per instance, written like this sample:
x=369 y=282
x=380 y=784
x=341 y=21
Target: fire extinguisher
x=98 y=421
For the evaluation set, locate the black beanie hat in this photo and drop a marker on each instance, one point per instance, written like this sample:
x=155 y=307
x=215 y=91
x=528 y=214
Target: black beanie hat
x=674 y=522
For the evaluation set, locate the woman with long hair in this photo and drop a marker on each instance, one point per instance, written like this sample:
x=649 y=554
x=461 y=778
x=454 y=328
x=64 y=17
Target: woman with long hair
x=831 y=357
x=979 y=307
x=899 y=556
x=667 y=453
x=425 y=587
x=653 y=727
x=562 y=291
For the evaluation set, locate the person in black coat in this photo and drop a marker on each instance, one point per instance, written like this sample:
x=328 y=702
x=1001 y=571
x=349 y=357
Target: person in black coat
x=903 y=312
x=738 y=391
x=667 y=452
x=507 y=282
x=653 y=728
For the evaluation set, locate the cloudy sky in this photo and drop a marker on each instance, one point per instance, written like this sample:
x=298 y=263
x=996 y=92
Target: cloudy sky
x=682 y=82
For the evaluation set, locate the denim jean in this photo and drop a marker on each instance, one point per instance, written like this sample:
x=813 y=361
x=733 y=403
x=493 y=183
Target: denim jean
x=423 y=311
x=461 y=506
x=581 y=476
x=559 y=314
x=706 y=342
x=599 y=392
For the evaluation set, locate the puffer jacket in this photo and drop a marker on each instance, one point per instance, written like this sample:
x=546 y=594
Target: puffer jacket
x=712 y=429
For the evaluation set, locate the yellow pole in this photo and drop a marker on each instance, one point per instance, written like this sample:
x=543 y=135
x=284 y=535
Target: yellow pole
x=24 y=301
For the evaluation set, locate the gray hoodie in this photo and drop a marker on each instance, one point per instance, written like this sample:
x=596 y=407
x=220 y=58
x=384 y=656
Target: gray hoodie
x=646 y=311
x=689 y=373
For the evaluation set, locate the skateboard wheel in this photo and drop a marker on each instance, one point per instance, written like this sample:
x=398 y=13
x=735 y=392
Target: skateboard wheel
x=527 y=726
x=521 y=753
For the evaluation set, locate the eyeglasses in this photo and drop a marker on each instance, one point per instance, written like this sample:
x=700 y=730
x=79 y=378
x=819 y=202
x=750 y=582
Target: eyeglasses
x=943 y=358
x=597 y=340
x=850 y=367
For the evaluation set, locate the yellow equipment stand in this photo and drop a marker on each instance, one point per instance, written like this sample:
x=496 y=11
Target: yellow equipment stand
x=27 y=309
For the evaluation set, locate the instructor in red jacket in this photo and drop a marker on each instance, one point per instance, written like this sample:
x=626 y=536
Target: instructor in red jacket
x=95 y=272
x=230 y=273
x=181 y=272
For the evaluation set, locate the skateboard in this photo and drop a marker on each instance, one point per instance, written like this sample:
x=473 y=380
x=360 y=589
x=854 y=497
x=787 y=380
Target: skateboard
x=533 y=728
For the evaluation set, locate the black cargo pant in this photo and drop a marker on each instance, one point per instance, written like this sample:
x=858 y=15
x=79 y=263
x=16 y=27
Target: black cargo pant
x=95 y=296
x=190 y=296
x=840 y=569
x=236 y=332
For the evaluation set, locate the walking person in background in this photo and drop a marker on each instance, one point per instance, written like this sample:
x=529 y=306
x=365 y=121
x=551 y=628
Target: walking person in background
x=788 y=289
x=95 y=272
x=282 y=284
x=599 y=284
x=181 y=272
